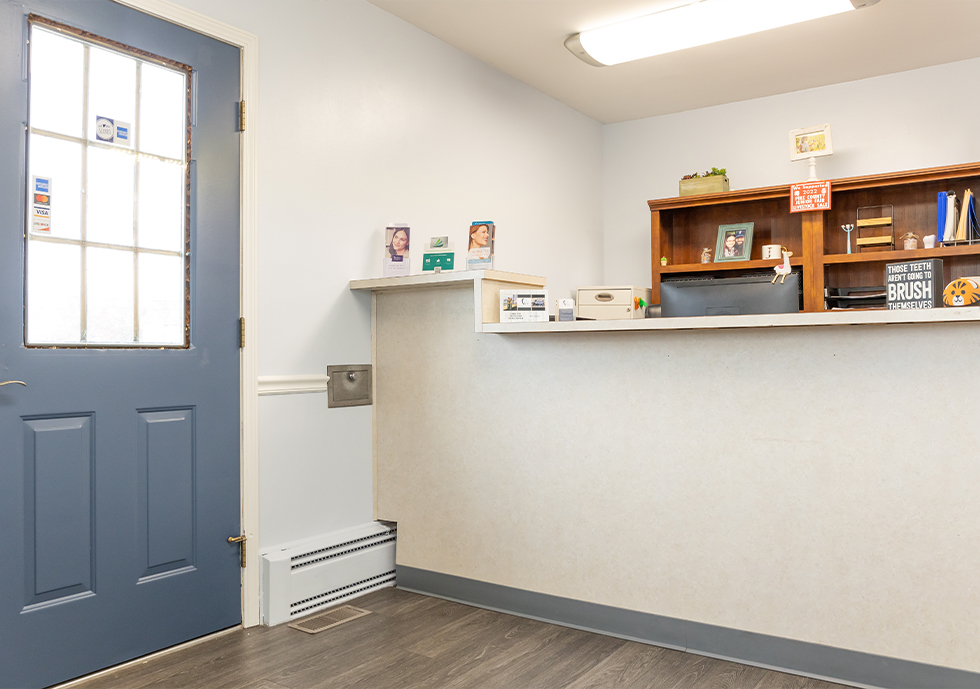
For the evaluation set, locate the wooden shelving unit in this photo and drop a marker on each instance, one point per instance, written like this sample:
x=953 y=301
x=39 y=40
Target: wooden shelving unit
x=680 y=227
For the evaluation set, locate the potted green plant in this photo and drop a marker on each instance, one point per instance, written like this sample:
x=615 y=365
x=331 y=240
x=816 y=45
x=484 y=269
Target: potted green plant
x=714 y=181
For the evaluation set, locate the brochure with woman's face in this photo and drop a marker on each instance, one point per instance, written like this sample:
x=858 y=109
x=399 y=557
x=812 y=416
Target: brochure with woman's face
x=396 y=258
x=479 y=253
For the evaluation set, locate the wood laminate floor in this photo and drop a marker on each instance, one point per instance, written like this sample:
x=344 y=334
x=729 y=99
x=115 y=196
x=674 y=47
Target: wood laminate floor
x=412 y=641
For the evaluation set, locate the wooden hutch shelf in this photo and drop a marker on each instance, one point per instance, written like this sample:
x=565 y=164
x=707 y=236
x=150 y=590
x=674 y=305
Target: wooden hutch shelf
x=901 y=255
x=723 y=267
x=680 y=227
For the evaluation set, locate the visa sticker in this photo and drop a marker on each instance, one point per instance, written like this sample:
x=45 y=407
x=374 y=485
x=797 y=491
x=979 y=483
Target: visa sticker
x=41 y=222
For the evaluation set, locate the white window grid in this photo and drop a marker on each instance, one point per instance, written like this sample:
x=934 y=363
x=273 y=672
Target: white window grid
x=86 y=143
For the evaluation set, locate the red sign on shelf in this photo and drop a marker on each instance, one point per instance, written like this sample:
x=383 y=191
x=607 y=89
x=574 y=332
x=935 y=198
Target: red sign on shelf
x=809 y=196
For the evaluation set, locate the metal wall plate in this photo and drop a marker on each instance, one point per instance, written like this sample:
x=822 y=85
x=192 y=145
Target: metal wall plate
x=349 y=386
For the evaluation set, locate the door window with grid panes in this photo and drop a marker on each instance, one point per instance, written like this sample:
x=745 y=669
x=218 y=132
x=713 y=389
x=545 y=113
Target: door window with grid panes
x=108 y=195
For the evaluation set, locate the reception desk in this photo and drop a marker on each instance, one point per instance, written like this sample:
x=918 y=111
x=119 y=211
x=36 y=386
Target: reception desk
x=796 y=491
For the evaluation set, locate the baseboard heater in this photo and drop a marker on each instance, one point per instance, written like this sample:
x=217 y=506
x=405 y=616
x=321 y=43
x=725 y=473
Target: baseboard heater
x=304 y=577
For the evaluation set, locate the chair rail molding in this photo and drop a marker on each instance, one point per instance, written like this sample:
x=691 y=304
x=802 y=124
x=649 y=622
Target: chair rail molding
x=293 y=385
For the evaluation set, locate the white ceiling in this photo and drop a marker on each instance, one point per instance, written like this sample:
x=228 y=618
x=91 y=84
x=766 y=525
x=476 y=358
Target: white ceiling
x=524 y=38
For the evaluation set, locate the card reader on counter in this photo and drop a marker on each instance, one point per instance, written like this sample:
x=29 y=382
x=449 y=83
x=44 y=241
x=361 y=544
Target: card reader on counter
x=612 y=303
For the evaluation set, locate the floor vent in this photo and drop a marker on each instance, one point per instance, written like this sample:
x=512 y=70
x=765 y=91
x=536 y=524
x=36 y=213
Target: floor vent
x=329 y=619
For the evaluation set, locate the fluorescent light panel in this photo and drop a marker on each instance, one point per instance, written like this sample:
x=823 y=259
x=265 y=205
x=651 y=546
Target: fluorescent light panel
x=699 y=23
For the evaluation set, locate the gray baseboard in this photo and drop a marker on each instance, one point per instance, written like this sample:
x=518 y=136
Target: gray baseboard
x=773 y=652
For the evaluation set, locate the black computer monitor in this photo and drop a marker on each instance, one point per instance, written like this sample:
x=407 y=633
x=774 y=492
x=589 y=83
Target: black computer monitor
x=730 y=296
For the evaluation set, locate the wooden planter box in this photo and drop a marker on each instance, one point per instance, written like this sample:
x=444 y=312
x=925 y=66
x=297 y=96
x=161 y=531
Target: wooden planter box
x=703 y=185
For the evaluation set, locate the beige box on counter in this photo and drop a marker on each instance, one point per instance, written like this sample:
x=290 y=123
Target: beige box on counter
x=611 y=303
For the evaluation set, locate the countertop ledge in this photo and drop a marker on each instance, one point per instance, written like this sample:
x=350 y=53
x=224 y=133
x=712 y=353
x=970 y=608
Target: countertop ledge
x=778 y=320
x=486 y=285
x=447 y=279
x=486 y=306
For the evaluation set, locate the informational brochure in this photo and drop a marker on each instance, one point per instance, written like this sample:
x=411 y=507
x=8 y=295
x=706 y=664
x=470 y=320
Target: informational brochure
x=524 y=306
x=396 y=262
x=479 y=252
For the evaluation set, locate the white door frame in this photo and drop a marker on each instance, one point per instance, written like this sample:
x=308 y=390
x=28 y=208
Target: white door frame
x=249 y=361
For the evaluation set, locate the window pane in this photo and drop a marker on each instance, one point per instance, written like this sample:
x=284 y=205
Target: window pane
x=61 y=161
x=111 y=88
x=57 y=64
x=110 y=196
x=162 y=204
x=105 y=194
x=163 y=105
x=109 y=295
x=54 y=290
x=161 y=299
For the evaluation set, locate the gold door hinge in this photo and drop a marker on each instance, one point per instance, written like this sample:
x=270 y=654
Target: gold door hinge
x=241 y=332
x=241 y=116
x=240 y=540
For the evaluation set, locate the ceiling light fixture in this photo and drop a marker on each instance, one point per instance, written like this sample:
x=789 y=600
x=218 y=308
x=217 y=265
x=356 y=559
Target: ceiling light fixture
x=697 y=23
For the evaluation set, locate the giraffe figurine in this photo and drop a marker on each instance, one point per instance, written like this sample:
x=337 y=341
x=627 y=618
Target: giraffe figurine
x=784 y=268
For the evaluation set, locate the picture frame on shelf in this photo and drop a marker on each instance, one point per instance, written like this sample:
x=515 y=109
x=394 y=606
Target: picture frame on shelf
x=734 y=242
x=810 y=142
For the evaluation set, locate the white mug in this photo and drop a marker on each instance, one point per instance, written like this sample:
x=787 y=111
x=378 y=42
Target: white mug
x=771 y=251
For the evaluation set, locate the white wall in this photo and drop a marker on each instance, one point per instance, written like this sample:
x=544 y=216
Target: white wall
x=366 y=120
x=884 y=124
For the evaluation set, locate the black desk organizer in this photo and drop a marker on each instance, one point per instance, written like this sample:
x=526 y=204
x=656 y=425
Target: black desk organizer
x=873 y=297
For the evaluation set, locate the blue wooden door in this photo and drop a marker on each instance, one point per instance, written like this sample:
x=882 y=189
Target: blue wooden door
x=119 y=460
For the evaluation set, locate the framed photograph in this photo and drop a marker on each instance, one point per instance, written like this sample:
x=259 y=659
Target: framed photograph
x=734 y=242
x=810 y=142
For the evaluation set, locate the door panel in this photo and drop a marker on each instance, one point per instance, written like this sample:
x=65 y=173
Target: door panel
x=167 y=480
x=119 y=468
x=58 y=464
